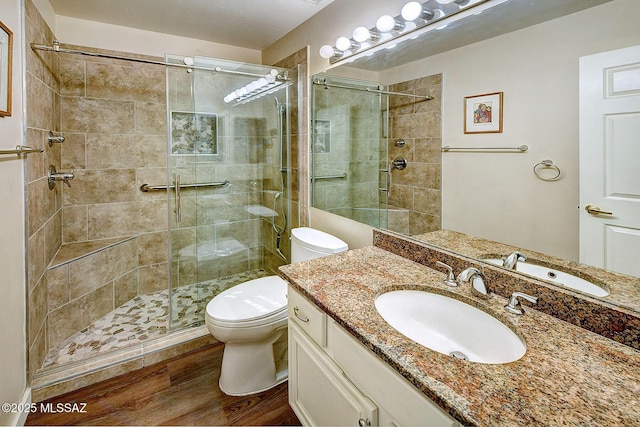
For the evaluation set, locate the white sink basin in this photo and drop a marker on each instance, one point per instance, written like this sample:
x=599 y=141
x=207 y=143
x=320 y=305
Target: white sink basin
x=556 y=277
x=449 y=326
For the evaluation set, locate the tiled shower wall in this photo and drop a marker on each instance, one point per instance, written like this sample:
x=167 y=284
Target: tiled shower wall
x=113 y=116
x=418 y=187
x=44 y=209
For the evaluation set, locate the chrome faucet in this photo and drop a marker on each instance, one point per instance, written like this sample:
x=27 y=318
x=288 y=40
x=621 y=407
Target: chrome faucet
x=514 y=305
x=475 y=278
x=511 y=261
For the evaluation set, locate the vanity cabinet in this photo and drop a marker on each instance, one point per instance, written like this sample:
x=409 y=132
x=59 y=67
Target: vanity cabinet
x=334 y=380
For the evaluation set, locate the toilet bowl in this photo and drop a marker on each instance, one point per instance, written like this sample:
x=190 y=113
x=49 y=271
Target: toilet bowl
x=251 y=320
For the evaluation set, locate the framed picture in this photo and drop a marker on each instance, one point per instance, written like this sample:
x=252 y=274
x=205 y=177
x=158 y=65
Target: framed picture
x=194 y=133
x=6 y=49
x=321 y=136
x=483 y=113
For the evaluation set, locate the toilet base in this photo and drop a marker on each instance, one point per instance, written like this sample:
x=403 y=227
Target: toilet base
x=253 y=367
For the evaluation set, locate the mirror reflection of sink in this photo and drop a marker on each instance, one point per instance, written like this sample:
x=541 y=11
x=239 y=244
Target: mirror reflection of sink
x=556 y=277
x=449 y=326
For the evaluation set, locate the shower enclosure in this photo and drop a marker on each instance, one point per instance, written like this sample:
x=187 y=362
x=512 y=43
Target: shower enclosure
x=350 y=170
x=181 y=191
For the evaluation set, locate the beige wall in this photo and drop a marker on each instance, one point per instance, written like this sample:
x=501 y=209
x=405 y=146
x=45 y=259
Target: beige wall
x=12 y=265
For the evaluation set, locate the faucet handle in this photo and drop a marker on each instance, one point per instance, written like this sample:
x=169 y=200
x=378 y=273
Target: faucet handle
x=514 y=304
x=451 y=278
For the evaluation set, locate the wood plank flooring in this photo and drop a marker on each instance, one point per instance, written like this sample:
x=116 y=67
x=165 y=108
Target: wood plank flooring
x=181 y=391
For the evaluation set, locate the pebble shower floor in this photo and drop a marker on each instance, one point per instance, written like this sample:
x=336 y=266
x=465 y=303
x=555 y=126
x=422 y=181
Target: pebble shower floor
x=142 y=318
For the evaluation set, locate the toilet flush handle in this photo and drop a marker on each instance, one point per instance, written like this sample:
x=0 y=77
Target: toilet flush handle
x=299 y=316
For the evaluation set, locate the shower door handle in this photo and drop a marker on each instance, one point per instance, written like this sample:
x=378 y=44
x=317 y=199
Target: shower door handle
x=177 y=208
x=387 y=180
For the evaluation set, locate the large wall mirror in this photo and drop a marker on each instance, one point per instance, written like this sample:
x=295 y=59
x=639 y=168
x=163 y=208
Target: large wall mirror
x=530 y=53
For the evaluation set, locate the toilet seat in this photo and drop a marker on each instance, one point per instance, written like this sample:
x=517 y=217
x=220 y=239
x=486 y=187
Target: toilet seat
x=256 y=302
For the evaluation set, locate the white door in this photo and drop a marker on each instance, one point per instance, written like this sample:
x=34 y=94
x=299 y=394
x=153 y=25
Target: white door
x=610 y=160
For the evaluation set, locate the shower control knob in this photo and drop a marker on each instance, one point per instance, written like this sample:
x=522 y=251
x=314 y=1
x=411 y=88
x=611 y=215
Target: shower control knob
x=399 y=163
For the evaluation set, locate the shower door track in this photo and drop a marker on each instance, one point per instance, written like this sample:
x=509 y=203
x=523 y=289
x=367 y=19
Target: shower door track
x=368 y=89
x=56 y=48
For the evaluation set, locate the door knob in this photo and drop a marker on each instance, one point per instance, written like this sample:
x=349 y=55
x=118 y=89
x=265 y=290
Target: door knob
x=595 y=210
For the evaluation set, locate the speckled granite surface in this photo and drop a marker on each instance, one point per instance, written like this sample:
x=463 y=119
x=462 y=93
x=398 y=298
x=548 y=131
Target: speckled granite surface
x=568 y=376
x=625 y=290
x=600 y=315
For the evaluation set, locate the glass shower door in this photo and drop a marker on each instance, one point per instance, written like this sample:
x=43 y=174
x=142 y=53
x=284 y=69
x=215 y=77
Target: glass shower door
x=350 y=171
x=227 y=166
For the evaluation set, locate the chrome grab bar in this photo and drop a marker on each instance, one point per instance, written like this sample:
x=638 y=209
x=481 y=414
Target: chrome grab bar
x=22 y=149
x=145 y=188
x=341 y=176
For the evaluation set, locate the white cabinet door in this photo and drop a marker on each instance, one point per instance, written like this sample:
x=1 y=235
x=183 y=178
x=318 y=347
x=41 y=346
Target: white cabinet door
x=609 y=154
x=319 y=393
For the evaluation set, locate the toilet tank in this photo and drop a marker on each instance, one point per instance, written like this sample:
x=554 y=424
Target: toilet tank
x=307 y=243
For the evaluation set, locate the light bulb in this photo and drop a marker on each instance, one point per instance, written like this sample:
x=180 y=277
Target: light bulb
x=262 y=82
x=414 y=10
x=387 y=23
x=361 y=34
x=327 y=51
x=343 y=43
x=188 y=61
x=411 y=11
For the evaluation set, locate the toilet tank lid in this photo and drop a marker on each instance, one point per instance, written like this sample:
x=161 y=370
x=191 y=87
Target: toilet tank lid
x=250 y=300
x=318 y=240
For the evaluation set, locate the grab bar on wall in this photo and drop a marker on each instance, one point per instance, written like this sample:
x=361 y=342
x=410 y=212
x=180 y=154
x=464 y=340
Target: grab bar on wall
x=22 y=149
x=521 y=148
x=145 y=188
x=341 y=176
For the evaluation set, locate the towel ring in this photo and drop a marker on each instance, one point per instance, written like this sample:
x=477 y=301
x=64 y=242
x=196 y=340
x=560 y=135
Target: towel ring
x=547 y=164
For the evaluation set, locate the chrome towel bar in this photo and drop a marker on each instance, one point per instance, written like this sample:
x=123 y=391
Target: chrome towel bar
x=521 y=148
x=145 y=188
x=22 y=149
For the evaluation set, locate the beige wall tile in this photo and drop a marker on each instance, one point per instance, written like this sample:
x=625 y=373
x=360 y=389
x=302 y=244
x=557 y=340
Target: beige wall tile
x=77 y=314
x=102 y=186
x=126 y=219
x=96 y=115
x=125 y=288
x=58 y=286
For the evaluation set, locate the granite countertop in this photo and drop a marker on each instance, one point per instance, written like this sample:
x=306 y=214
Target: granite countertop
x=625 y=290
x=568 y=376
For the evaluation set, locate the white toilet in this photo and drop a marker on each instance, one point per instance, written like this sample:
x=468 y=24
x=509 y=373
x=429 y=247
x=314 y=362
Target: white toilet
x=251 y=319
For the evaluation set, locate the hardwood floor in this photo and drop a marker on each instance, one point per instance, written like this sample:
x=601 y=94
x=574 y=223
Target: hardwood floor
x=180 y=391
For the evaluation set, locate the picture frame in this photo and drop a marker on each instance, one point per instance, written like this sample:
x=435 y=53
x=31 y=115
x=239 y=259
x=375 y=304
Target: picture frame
x=483 y=113
x=194 y=133
x=321 y=136
x=6 y=52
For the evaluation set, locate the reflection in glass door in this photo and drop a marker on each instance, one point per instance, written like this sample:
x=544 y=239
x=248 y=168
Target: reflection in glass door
x=350 y=171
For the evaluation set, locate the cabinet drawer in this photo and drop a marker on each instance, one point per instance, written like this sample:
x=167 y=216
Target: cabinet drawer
x=309 y=317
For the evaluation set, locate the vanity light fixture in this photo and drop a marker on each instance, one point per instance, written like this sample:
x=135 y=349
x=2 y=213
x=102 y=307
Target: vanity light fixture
x=414 y=19
x=270 y=83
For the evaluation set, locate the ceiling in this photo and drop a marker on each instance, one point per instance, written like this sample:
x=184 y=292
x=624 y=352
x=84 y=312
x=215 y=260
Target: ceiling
x=251 y=24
